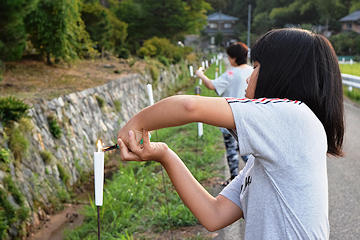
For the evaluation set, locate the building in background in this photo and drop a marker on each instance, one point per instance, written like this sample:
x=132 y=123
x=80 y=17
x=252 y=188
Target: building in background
x=220 y=27
x=351 y=22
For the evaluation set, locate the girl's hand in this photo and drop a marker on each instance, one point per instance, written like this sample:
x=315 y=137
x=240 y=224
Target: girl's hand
x=148 y=151
x=123 y=134
x=199 y=73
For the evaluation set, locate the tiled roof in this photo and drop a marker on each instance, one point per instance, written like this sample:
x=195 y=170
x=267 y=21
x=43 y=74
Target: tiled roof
x=220 y=16
x=354 y=16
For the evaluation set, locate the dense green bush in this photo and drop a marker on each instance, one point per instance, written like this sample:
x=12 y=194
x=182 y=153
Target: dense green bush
x=124 y=53
x=5 y=155
x=346 y=43
x=163 y=49
x=163 y=60
x=12 y=109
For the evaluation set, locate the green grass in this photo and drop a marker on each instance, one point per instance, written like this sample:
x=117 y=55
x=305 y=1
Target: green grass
x=136 y=200
x=352 y=70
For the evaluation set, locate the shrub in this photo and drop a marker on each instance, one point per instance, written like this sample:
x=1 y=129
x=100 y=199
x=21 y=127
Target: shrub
x=54 y=127
x=64 y=174
x=13 y=189
x=163 y=60
x=47 y=156
x=12 y=109
x=148 y=51
x=100 y=101
x=63 y=195
x=154 y=72
x=18 y=143
x=7 y=208
x=23 y=213
x=124 y=53
x=117 y=104
x=5 y=155
x=346 y=43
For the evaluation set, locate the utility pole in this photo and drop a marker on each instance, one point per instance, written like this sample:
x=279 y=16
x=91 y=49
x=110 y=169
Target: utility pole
x=249 y=25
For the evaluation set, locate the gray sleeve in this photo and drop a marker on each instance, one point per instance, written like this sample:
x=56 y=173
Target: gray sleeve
x=233 y=190
x=221 y=83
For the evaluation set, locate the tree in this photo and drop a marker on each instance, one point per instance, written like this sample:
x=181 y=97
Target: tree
x=218 y=5
x=162 y=18
x=12 y=30
x=104 y=27
x=57 y=30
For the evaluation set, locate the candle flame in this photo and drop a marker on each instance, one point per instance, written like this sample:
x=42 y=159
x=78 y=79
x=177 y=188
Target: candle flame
x=99 y=146
x=200 y=68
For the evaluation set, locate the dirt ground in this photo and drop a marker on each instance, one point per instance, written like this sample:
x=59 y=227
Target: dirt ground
x=72 y=217
x=30 y=79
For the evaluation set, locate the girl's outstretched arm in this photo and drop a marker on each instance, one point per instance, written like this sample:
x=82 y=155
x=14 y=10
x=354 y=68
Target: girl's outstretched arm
x=213 y=213
x=207 y=82
x=179 y=110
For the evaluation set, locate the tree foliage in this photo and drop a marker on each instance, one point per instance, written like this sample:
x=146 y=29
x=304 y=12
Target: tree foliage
x=170 y=19
x=103 y=26
x=56 y=29
x=162 y=48
x=12 y=30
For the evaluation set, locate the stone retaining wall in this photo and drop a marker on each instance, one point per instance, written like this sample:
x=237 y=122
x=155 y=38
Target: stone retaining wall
x=82 y=122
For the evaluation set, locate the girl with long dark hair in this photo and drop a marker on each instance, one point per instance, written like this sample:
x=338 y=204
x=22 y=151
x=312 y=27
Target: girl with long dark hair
x=290 y=120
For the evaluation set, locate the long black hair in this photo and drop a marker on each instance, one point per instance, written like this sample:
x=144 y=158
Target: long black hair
x=239 y=51
x=300 y=65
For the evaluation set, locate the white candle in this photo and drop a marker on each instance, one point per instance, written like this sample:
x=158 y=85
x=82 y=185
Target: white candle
x=99 y=175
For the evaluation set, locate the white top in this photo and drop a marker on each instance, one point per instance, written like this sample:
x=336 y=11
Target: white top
x=283 y=189
x=232 y=83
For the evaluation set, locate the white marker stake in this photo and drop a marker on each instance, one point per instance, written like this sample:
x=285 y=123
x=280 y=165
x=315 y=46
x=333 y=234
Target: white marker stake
x=203 y=64
x=206 y=63
x=99 y=175
x=150 y=93
x=200 y=129
x=191 y=71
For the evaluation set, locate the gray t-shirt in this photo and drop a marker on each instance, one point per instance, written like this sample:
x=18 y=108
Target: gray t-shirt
x=232 y=83
x=283 y=189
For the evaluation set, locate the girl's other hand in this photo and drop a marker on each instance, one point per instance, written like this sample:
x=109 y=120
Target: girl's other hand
x=148 y=151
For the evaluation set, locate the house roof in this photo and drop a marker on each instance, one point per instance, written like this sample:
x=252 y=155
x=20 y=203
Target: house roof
x=354 y=16
x=220 y=16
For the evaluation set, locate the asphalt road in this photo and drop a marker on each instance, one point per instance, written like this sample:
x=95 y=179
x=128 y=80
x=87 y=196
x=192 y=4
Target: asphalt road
x=344 y=184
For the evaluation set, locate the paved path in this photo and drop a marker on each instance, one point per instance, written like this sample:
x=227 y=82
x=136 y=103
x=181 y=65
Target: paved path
x=344 y=183
x=344 y=186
